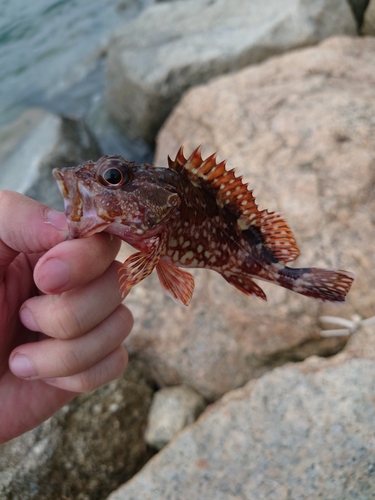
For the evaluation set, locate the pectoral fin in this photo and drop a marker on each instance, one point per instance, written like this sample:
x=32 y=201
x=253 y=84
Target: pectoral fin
x=176 y=282
x=138 y=266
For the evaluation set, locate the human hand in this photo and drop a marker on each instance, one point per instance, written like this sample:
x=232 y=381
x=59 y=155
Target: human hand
x=61 y=321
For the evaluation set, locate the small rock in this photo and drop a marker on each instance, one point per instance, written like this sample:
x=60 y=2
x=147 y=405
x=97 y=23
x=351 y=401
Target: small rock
x=172 y=409
x=300 y=432
x=368 y=26
x=172 y=46
x=87 y=449
x=34 y=144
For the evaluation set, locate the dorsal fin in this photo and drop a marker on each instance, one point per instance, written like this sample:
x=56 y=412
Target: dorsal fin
x=233 y=194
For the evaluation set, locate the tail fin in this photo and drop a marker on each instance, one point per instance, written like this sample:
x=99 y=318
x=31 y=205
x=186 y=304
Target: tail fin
x=328 y=285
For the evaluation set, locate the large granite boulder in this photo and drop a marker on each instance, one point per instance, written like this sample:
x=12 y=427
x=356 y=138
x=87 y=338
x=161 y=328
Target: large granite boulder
x=300 y=432
x=172 y=46
x=301 y=129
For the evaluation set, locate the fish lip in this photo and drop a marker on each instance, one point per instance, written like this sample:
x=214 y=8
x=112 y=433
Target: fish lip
x=68 y=185
x=57 y=173
x=79 y=206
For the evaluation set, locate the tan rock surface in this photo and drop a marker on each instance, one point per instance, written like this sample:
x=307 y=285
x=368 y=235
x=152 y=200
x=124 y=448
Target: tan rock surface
x=301 y=129
x=300 y=432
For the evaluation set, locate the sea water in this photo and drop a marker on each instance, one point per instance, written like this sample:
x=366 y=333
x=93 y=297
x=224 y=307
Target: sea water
x=52 y=52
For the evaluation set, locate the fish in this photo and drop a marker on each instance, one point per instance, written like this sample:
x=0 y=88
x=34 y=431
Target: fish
x=194 y=213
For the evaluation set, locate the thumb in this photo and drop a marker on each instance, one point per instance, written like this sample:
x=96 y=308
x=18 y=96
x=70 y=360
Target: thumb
x=27 y=226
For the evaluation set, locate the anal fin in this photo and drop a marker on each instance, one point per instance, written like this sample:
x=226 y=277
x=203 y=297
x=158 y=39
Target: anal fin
x=245 y=285
x=175 y=281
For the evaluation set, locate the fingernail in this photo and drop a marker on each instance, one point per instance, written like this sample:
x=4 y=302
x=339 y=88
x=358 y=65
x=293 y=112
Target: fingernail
x=57 y=219
x=28 y=319
x=53 y=274
x=22 y=366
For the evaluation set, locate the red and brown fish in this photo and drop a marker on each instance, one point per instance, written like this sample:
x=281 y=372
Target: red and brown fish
x=195 y=213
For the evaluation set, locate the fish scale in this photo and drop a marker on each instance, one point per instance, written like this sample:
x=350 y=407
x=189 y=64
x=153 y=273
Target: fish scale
x=195 y=213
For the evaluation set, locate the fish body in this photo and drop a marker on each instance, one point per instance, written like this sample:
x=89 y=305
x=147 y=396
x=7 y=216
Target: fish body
x=196 y=214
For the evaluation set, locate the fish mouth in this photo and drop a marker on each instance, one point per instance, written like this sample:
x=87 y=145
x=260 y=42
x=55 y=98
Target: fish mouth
x=80 y=210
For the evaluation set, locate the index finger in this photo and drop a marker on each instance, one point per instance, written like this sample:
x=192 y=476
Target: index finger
x=27 y=226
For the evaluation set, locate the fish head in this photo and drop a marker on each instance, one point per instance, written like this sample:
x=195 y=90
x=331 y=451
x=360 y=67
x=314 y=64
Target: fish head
x=116 y=196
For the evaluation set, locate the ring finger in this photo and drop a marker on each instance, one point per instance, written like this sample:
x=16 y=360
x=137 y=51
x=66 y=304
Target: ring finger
x=53 y=358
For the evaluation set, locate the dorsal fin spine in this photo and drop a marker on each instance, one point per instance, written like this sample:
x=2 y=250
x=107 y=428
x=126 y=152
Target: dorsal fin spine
x=231 y=192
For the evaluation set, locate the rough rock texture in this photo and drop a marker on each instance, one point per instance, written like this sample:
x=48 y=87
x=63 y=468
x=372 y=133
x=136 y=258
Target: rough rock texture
x=172 y=46
x=368 y=27
x=358 y=8
x=34 y=144
x=87 y=449
x=301 y=129
x=299 y=432
x=172 y=409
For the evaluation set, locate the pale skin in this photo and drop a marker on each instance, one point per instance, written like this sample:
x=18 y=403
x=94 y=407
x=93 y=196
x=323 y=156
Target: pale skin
x=62 y=321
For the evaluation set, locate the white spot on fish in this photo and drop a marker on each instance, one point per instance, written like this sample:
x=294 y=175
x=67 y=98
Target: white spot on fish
x=187 y=256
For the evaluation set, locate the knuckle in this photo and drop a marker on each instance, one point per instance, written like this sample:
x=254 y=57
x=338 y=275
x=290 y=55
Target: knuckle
x=5 y=196
x=125 y=317
x=67 y=323
x=70 y=363
x=9 y=198
x=107 y=370
x=86 y=383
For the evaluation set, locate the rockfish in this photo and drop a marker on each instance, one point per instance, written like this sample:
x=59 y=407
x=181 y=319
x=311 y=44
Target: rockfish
x=196 y=213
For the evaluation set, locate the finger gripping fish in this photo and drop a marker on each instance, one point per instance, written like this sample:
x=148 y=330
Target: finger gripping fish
x=196 y=213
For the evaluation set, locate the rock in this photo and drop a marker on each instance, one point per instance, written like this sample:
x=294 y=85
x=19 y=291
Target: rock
x=368 y=27
x=172 y=409
x=358 y=8
x=37 y=142
x=300 y=128
x=87 y=449
x=172 y=46
x=299 y=432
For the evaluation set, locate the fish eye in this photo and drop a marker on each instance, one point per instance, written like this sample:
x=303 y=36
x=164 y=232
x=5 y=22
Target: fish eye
x=113 y=176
